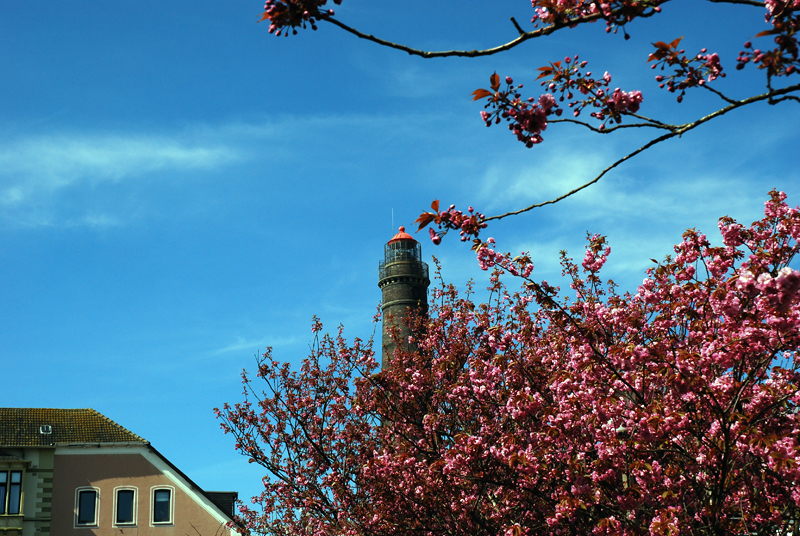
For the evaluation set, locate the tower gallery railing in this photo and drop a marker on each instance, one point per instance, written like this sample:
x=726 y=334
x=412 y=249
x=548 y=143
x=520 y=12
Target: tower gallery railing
x=395 y=268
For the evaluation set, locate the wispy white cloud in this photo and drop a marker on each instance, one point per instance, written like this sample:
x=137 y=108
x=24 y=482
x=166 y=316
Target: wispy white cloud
x=42 y=165
x=514 y=180
x=261 y=344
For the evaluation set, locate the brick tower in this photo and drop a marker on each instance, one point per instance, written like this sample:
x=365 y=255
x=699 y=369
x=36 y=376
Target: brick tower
x=403 y=280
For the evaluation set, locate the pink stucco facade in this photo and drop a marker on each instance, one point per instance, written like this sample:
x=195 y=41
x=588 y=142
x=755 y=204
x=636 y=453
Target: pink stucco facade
x=138 y=470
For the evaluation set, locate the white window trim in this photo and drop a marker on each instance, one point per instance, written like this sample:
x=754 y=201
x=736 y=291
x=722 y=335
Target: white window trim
x=171 y=506
x=9 y=469
x=96 y=522
x=135 y=491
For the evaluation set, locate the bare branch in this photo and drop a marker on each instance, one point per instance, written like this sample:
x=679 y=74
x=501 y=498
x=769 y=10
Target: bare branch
x=676 y=131
x=655 y=124
x=754 y=3
x=524 y=36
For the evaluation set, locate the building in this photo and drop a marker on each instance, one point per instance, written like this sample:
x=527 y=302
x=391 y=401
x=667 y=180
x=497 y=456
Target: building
x=403 y=280
x=76 y=472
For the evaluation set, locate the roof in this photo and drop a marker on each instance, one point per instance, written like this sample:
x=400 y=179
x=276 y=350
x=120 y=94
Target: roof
x=20 y=427
x=402 y=235
x=224 y=500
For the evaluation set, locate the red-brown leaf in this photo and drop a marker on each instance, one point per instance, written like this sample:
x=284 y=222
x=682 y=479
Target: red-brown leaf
x=495 y=80
x=481 y=93
x=435 y=205
x=264 y=16
x=675 y=43
x=424 y=219
x=767 y=32
x=546 y=71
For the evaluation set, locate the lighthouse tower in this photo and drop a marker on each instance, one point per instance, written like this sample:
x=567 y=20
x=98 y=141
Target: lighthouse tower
x=403 y=280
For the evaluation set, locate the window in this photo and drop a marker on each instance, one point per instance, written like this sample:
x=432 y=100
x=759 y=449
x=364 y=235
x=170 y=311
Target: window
x=10 y=492
x=162 y=505
x=86 y=506
x=125 y=511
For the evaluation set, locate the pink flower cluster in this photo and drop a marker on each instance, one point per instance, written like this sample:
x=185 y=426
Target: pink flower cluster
x=468 y=225
x=616 y=13
x=783 y=60
x=697 y=71
x=778 y=292
x=284 y=14
x=596 y=255
x=623 y=102
x=529 y=118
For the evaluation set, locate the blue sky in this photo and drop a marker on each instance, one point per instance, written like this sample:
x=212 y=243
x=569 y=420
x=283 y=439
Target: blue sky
x=179 y=189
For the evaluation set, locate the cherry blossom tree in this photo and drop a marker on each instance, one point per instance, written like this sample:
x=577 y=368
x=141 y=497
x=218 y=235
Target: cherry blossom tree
x=571 y=94
x=669 y=410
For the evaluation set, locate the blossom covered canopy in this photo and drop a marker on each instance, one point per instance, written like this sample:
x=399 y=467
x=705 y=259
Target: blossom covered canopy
x=670 y=410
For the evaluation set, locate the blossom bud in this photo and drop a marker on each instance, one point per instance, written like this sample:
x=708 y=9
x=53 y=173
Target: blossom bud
x=509 y=81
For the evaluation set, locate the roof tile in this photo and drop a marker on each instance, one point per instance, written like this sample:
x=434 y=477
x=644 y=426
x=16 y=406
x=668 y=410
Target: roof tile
x=19 y=427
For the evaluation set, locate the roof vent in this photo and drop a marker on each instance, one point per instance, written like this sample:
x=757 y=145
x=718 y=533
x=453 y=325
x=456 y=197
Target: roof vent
x=45 y=429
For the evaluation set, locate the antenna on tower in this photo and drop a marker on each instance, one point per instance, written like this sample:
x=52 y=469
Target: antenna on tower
x=392 y=219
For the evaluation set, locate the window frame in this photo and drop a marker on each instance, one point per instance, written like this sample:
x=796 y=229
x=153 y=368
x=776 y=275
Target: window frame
x=9 y=487
x=6 y=474
x=96 y=521
x=134 y=506
x=10 y=492
x=171 y=520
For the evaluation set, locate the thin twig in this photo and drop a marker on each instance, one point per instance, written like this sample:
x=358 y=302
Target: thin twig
x=787 y=97
x=517 y=26
x=612 y=129
x=718 y=93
